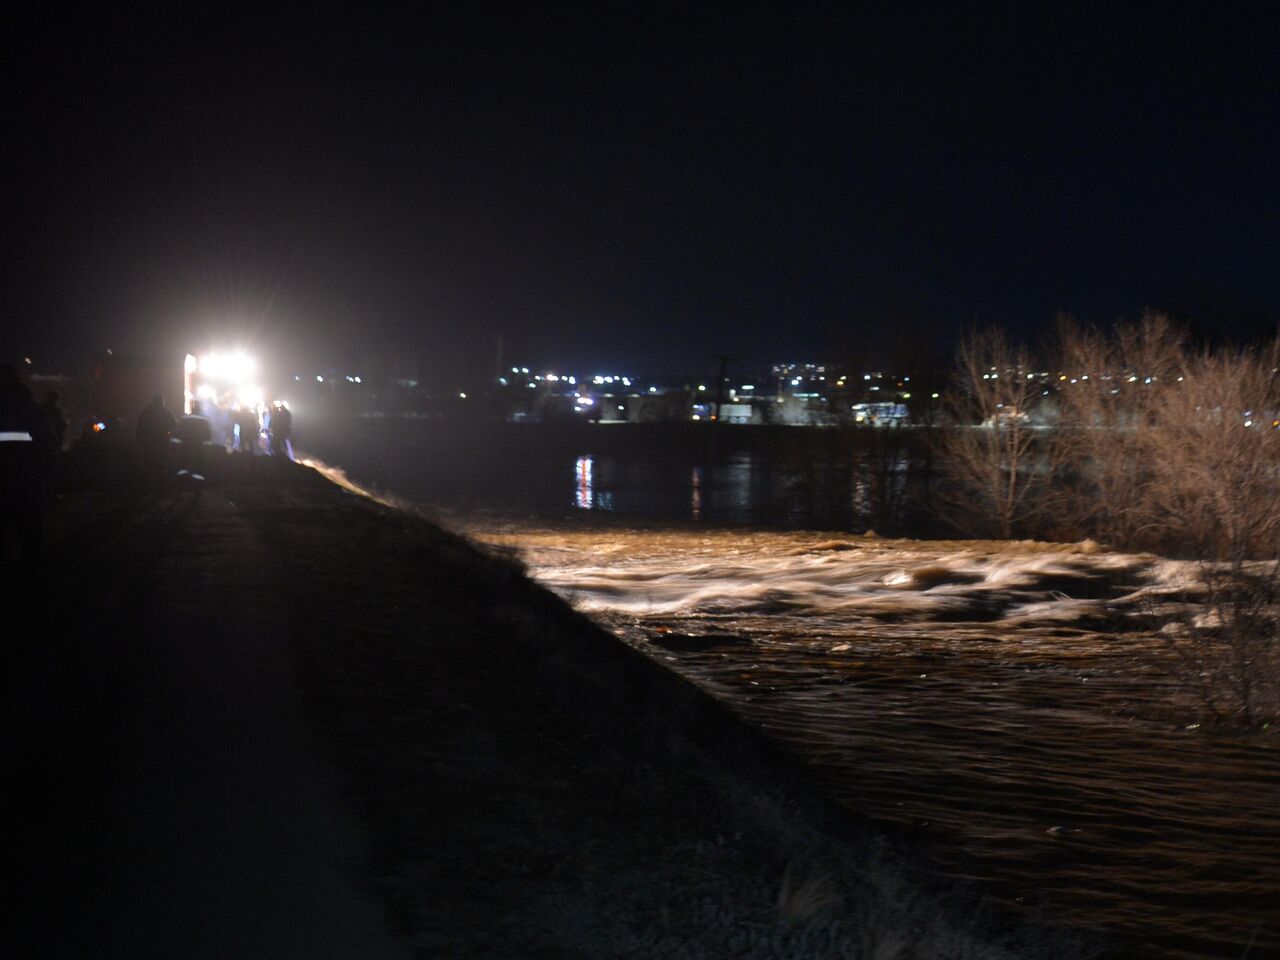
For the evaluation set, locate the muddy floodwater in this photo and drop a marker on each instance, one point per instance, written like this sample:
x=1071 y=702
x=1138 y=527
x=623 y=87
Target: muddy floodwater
x=1001 y=698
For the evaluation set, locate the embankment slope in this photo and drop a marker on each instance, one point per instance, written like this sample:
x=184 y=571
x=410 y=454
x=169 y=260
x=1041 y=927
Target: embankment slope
x=279 y=719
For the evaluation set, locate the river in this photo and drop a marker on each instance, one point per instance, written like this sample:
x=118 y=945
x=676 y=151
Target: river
x=1015 y=703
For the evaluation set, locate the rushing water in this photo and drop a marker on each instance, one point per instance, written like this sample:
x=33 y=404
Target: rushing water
x=1009 y=700
x=1001 y=697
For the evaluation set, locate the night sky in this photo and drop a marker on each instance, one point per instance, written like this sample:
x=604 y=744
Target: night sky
x=636 y=188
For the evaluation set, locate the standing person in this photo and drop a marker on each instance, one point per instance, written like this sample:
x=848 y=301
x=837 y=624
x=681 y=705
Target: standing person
x=281 y=429
x=194 y=432
x=155 y=426
x=246 y=419
x=28 y=451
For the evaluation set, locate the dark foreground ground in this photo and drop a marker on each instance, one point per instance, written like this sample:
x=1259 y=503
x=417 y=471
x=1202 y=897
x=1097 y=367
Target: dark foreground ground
x=274 y=719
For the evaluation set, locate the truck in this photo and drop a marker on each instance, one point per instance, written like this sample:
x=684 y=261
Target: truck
x=125 y=383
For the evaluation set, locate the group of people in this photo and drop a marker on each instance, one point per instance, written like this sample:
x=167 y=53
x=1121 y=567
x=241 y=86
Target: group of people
x=157 y=427
x=31 y=436
x=248 y=430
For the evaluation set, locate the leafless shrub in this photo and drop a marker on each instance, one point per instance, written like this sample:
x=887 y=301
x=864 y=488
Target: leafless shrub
x=998 y=472
x=1109 y=398
x=1168 y=448
x=1216 y=456
x=1147 y=444
x=1227 y=650
x=1174 y=450
x=884 y=483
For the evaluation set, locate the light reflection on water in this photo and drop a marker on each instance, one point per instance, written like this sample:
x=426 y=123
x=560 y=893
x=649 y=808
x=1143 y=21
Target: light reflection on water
x=785 y=478
x=584 y=497
x=585 y=494
x=736 y=490
x=999 y=693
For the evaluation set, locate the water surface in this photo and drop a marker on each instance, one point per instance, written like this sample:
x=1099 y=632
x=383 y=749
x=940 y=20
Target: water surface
x=1005 y=699
x=776 y=477
x=1013 y=702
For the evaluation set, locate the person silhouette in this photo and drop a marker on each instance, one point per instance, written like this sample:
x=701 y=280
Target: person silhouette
x=155 y=426
x=281 y=429
x=28 y=451
x=194 y=432
x=246 y=419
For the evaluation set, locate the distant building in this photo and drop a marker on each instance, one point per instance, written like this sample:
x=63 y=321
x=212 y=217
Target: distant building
x=737 y=413
x=882 y=414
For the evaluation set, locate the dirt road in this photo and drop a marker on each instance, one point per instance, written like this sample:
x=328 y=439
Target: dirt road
x=169 y=797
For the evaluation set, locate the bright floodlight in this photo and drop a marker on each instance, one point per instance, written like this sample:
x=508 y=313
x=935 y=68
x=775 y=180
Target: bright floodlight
x=229 y=368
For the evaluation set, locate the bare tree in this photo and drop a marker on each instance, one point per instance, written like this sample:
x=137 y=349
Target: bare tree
x=1215 y=455
x=1154 y=445
x=1110 y=396
x=1225 y=650
x=998 y=471
x=888 y=469
x=1180 y=453
x=1219 y=485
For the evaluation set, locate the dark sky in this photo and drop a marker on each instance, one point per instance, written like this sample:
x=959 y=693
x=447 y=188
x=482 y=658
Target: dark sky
x=635 y=188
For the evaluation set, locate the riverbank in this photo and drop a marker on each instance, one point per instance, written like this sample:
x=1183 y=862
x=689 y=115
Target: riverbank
x=275 y=718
